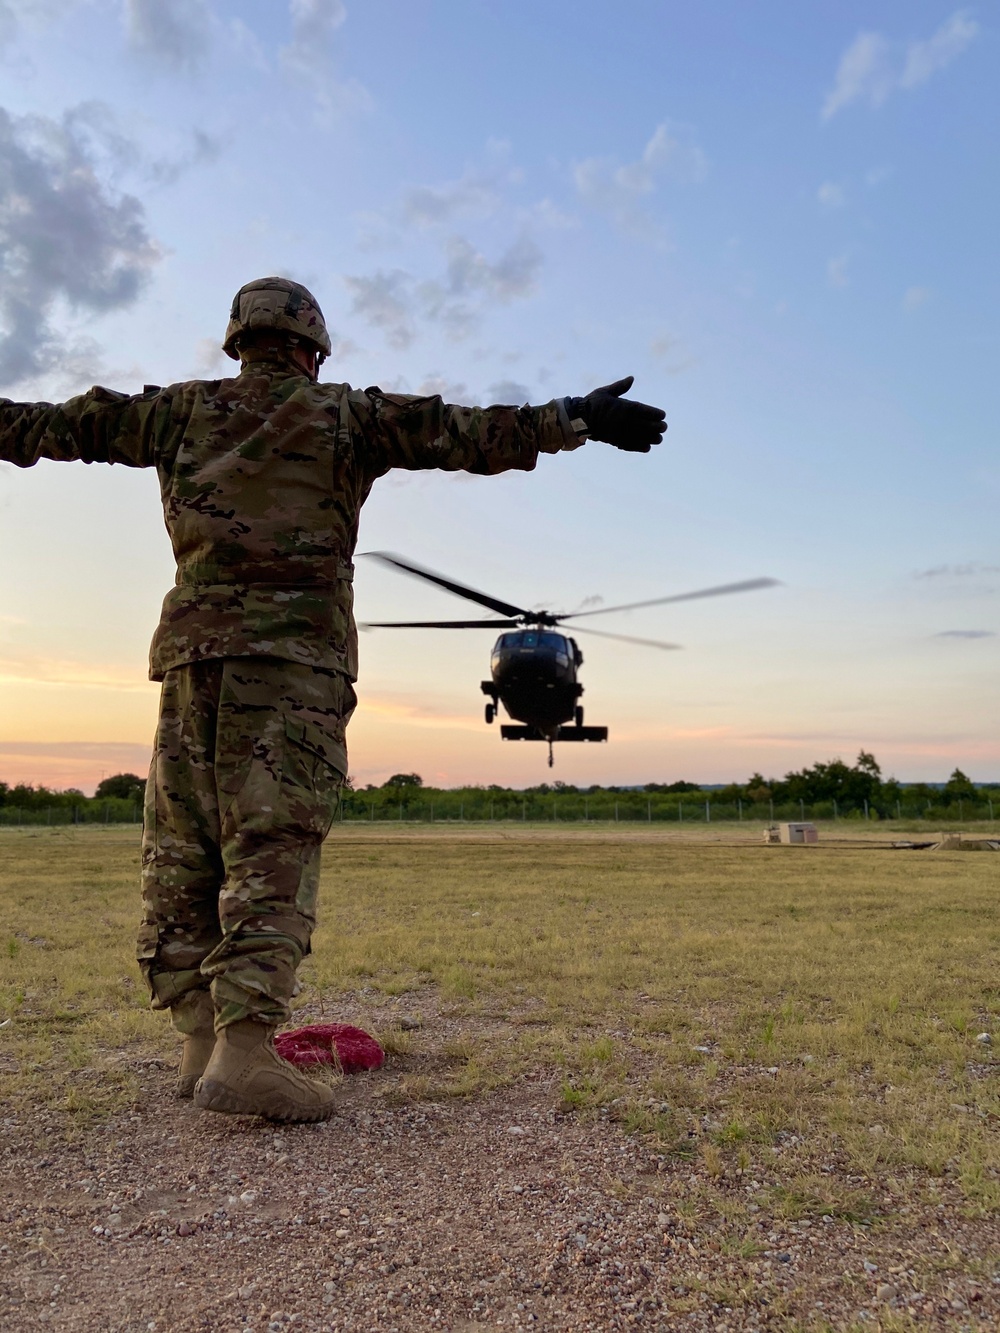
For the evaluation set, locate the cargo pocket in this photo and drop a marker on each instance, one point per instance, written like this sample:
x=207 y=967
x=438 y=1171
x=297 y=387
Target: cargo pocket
x=147 y=942
x=232 y=768
x=313 y=774
x=319 y=743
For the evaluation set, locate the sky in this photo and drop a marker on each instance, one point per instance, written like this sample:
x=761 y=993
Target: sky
x=781 y=218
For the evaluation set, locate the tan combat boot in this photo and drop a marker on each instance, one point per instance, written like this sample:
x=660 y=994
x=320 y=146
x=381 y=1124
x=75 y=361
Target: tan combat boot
x=193 y=1016
x=246 y=1076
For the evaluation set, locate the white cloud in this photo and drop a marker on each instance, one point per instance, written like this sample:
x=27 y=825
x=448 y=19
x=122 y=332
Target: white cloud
x=831 y=195
x=392 y=301
x=619 y=190
x=462 y=277
x=671 y=353
x=247 y=45
x=430 y=204
x=925 y=58
x=385 y=301
x=508 y=391
x=863 y=72
x=35 y=13
x=177 y=32
x=210 y=360
x=477 y=193
x=64 y=237
x=971 y=570
x=513 y=274
x=313 y=24
x=442 y=387
x=914 y=298
x=872 y=67
x=836 y=271
x=308 y=57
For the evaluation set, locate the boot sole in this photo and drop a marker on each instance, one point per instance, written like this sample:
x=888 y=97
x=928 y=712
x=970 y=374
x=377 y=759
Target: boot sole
x=212 y=1096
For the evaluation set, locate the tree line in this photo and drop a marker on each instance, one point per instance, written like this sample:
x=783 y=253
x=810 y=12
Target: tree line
x=829 y=790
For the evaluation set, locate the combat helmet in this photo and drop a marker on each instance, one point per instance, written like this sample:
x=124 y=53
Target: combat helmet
x=280 y=304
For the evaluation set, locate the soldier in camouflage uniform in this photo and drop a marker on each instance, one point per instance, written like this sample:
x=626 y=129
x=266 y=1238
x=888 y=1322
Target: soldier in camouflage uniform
x=262 y=478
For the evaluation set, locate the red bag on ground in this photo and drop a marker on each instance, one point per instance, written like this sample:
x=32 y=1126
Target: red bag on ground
x=330 y=1044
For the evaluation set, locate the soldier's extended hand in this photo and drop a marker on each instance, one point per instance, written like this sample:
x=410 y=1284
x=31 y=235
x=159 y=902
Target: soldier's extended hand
x=632 y=426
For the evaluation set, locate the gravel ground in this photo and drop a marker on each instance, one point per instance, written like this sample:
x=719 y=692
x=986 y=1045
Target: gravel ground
x=493 y=1212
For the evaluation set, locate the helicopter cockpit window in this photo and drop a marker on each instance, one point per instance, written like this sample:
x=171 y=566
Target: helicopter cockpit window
x=555 y=641
x=529 y=640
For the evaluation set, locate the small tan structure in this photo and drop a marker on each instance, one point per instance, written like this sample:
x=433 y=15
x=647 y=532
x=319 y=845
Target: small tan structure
x=792 y=833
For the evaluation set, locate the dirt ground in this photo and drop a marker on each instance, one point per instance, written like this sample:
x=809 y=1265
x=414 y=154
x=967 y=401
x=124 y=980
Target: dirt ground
x=502 y=1208
x=492 y=1212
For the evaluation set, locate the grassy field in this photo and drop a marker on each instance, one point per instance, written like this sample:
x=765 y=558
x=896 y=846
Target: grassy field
x=712 y=993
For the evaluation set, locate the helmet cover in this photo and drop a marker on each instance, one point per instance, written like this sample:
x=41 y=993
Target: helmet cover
x=276 y=304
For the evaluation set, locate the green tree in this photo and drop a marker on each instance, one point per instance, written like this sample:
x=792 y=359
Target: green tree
x=959 y=788
x=122 y=787
x=404 y=780
x=758 y=789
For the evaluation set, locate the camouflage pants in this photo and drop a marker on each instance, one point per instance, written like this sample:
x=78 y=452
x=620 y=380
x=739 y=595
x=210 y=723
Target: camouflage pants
x=245 y=781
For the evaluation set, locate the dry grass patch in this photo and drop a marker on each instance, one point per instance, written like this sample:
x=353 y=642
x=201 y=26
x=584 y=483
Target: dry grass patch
x=726 y=1000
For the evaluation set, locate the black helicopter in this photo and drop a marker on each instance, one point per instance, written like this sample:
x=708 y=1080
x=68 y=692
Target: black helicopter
x=534 y=667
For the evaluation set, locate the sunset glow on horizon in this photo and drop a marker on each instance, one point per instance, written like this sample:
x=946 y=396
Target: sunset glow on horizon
x=777 y=218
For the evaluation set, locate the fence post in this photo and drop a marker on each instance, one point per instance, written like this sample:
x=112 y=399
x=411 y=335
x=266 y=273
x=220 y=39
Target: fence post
x=680 y=812
x=586 y=811
x=960 y=815
x=616 y=812
x=708 y=813
x=835 y=808
x=899 y=813
x=772 y=809
x=649 y=811
x=989 y=802
x=401 y=812
x=524 y=809
x=461 y=812
x=866 y=807
x=739 y=806
x=802 y=809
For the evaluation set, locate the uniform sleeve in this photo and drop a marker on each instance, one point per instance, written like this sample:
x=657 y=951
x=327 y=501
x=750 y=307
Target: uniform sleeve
x=96 y=427
x=414 y=433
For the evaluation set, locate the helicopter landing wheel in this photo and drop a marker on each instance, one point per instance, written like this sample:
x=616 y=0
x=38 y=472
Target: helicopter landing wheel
x=491 y=712
x=579 y=716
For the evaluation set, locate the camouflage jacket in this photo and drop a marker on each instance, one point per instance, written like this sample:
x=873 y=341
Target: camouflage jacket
x=262 y=478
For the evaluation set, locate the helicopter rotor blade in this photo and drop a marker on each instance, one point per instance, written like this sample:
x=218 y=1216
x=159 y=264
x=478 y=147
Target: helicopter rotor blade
x=459 y=589
x=622 y=638
x=748 y=585
x=441 y=624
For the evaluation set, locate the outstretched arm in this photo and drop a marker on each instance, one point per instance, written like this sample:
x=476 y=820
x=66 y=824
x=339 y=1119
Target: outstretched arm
x=96 y=427
x=412 y=432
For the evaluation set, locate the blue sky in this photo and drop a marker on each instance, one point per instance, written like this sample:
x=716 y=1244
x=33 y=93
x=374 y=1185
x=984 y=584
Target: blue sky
x=781 y=218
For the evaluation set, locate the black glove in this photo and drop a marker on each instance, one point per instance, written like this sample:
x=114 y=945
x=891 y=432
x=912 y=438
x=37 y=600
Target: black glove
x=635 y=427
